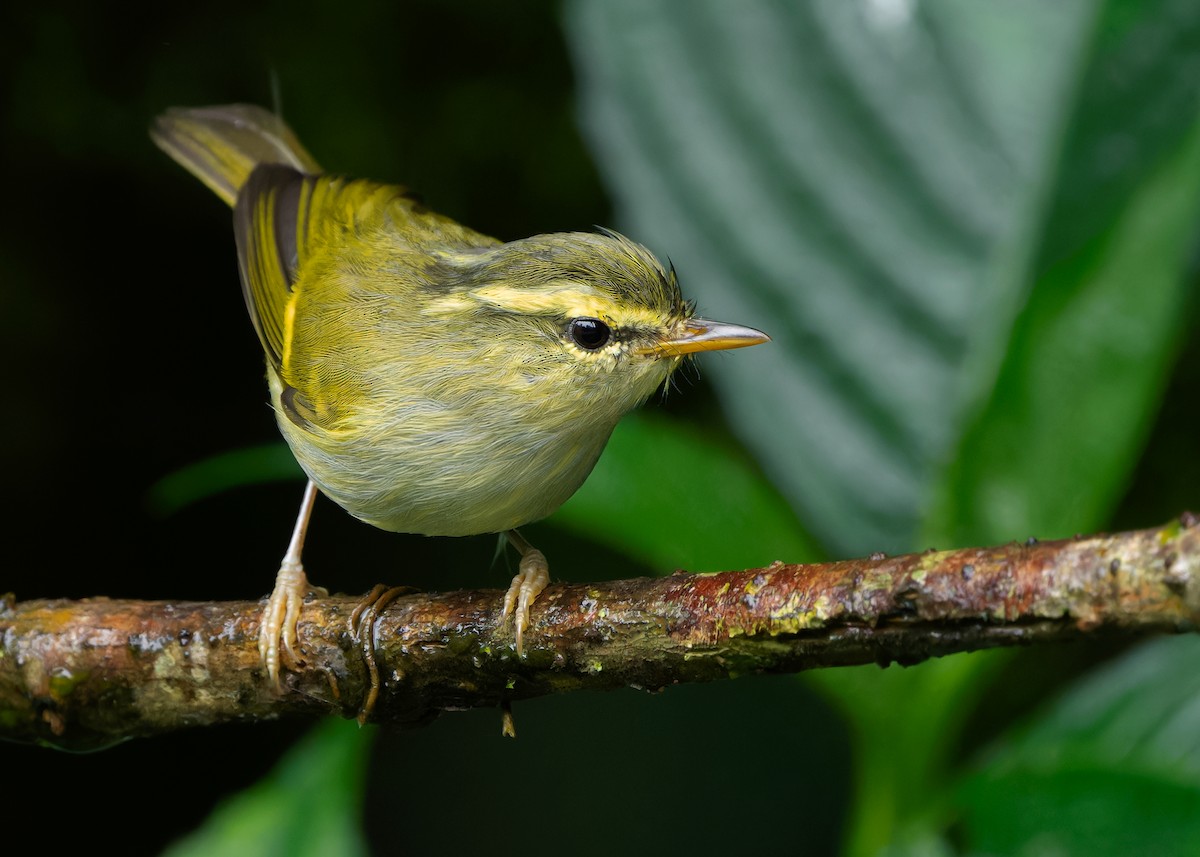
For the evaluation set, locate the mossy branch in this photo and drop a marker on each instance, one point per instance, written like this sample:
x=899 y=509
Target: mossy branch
x=82 y=674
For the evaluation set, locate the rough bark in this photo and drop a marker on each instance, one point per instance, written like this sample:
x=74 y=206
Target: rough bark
x=83 y=674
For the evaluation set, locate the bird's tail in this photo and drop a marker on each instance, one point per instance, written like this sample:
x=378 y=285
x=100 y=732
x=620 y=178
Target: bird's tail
x=221 y=146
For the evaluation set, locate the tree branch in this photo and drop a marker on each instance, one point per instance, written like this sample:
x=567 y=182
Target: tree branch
x=82 y=674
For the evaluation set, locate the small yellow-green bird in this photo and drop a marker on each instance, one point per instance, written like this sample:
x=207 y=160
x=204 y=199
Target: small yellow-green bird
x=427 y=378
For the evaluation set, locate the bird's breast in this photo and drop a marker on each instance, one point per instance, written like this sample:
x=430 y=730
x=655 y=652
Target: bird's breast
x=475 y=463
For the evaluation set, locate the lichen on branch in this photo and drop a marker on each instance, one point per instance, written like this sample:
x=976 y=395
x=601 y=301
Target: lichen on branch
x=82 y=674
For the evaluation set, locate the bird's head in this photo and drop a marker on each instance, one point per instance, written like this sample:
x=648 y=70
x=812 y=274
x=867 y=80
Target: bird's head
x=595 y=310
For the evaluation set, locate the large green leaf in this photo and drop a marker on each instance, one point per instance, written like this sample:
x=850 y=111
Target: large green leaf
x=844 y=176
x=1087 y=356
x=965 y=226
x=882 y=186
x=1111 y=768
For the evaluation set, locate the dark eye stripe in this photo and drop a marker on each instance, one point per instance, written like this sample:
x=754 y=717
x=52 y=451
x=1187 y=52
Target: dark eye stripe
x=589 y=334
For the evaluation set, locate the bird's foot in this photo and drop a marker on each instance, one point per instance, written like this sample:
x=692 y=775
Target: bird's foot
x=277 y=627
x=533 y=575
x=362 y=630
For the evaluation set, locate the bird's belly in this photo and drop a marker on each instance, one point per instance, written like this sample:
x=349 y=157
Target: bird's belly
x=448 y=479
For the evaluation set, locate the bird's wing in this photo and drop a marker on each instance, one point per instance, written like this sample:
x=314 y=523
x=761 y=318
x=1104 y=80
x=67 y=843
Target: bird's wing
x=316 y=253
x=272 y=221
x=287 y=224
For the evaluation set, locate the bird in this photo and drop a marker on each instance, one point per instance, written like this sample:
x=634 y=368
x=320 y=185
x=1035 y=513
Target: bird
x=427 y=378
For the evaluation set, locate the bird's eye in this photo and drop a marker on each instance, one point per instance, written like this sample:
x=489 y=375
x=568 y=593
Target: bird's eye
x=589 y=334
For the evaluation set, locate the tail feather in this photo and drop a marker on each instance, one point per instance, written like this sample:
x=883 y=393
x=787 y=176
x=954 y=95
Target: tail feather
x=221 y=146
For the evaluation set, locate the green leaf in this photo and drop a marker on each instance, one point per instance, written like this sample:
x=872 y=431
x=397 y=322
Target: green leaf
x=268 y=463
x=965 y=226
x=843 y=176
x=1111 y=768
x=670 y=496
x=1087 y=810
x=947 y=214
x=310 y=805
x=1088 y=355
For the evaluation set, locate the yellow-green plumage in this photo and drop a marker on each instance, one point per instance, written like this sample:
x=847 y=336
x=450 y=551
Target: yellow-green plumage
x=460 y=414
x=421 y=372
x=430 y=379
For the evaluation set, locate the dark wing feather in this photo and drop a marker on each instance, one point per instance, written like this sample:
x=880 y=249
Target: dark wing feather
x=270 y=225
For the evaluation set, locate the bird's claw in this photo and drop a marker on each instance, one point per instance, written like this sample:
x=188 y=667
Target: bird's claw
x=532 y=577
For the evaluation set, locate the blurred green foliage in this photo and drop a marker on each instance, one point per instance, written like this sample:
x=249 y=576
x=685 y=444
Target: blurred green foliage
x=1111 y=767
x=309 y=804
x=969 y=228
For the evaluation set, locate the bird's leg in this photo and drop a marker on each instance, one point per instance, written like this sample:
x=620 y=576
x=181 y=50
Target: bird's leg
x=533 y=575
x=277 y=628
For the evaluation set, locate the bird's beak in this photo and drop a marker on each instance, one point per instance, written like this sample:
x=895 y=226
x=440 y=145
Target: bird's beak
x=700 y=334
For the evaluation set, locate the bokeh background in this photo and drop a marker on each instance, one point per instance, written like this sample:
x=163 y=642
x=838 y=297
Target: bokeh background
x=971 y=230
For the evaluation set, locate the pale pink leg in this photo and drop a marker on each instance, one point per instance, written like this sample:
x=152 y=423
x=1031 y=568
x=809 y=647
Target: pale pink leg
x=277 y=629
x=533 y=575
